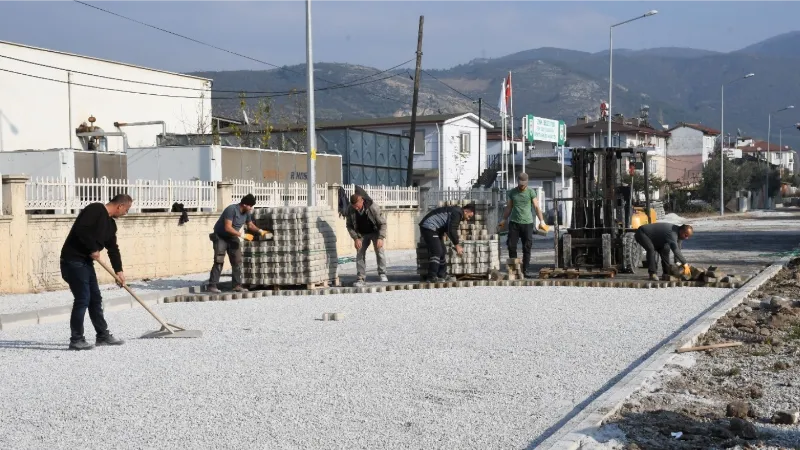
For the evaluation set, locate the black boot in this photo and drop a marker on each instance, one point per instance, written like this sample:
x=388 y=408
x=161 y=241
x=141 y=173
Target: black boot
x=80 y=345
x=108 y=339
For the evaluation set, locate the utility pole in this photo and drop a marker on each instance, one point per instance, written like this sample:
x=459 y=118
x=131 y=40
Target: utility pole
x=413 y=136
x=480 y=130
x=311 y=129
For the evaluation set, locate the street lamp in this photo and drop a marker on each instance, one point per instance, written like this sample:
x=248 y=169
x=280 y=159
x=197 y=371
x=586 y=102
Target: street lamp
x=780 y=145
x=722 y=145
x=769 y=130
x=480 y=130
x=652 y=12
x=311 y=130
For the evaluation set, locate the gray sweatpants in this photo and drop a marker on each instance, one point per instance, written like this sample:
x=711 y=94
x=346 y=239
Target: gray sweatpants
x=361 y=257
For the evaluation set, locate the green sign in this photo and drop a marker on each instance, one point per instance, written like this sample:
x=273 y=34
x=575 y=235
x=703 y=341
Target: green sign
x=546 y=130
x=562 y=133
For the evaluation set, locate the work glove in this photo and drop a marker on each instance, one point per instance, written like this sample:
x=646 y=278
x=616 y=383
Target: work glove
x=265 y=234
x=687 y=270
x=543 y=226
x=247 y=237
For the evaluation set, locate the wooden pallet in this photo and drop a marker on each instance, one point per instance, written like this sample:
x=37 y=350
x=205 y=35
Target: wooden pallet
x=283 y=287
x=549 y=272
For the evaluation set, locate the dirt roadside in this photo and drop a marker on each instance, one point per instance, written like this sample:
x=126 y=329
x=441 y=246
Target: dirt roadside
x=739 y=397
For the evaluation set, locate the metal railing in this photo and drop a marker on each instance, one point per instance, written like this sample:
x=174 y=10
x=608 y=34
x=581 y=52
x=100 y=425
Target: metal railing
x=278 y=194
x=65 y=196
x=389 y=196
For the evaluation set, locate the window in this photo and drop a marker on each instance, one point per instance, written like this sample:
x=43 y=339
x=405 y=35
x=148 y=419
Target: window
x=652 y=166
x=464 y=143
x=419 y=141
x=614 y=140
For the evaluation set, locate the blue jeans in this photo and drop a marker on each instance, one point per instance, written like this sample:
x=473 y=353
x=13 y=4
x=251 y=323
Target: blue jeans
x=82 y=281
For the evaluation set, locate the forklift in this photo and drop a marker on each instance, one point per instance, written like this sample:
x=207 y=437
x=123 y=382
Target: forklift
x=604 y=213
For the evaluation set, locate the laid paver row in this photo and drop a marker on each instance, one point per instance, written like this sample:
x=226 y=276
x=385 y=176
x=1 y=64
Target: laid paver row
x=204 y=297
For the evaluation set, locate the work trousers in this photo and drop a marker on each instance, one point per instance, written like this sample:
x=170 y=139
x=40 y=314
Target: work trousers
x=517 y=231
x=233 y=248
x=437 y=266
x=82 y=281
x=663 y=252
x=361 y=256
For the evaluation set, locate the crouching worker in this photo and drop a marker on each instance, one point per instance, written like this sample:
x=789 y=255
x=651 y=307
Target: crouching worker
x=433 y=227
x=366 y=225
x=662 y=238
x=227 y=239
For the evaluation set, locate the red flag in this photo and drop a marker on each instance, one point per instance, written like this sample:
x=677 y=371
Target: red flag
x=508 y=90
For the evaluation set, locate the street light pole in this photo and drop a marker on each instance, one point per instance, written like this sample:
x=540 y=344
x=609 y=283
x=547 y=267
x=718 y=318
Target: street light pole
x=722 y=147
x=652 y=12
x=769 y=130
x=311 y=129
x=480 y=130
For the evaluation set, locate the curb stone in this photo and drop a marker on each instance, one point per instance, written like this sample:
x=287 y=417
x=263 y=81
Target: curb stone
x=195 y=293
x=571 y=435
x=56 y=314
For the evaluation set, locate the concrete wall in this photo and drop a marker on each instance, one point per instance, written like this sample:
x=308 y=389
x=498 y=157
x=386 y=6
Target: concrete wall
x=38 y=114
x=152 y=244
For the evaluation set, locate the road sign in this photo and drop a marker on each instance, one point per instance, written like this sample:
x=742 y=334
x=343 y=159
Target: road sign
x=546 y=130
x=562 y=132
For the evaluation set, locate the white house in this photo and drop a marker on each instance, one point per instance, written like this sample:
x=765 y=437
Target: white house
x=783 y=158
x=446 y=148
x=46 y=95
x=690 y=146
x=624 y=134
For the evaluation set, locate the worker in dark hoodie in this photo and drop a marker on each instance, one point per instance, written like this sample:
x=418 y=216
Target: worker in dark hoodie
x=433 y=227
x=366 y=225
x=661 y=239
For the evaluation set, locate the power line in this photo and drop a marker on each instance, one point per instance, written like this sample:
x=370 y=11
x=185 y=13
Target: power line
x=194 y=89
x=458 y=92
x=284 y=94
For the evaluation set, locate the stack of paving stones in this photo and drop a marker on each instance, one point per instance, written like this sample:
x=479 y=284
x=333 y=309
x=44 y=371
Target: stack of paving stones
x=481 y=250
x=514 y=267
x=302 y=250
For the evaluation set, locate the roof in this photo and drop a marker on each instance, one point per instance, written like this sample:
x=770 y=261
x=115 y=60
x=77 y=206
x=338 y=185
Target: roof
x=103 y=60
x=708 y=131
x=601 y=126
x=763 y=146
x=386 y=122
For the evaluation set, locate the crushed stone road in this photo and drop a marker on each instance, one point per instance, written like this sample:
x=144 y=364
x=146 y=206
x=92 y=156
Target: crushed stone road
x=459 y=368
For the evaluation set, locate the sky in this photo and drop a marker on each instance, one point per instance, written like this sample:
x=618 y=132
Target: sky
x=379 y=33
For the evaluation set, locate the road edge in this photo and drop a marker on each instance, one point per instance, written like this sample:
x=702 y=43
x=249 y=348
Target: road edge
x=591 y=418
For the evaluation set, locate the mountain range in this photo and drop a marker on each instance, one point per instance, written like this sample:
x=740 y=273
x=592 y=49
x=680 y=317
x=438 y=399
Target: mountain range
x=678 y=85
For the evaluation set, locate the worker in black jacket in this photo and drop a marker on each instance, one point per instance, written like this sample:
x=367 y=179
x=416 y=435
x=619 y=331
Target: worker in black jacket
x=662 y=238
x=433 y=227
x=94 y=229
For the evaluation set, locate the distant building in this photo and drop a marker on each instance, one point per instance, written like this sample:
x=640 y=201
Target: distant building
x=781 y=158
x=634 y=132
x=689 y=147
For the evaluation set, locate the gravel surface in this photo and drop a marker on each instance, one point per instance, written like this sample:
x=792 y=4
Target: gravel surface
x=453 y=368
x=699 y=392
x=14 y=303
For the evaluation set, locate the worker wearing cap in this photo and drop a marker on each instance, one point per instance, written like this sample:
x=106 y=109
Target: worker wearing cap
x=227 y=239
x=442 y=221
x=521 y=202
x=662 y=238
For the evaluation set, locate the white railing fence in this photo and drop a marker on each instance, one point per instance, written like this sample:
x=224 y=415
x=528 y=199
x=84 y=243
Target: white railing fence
x=66 y=196
x=434 y=196
x=278 y=194
x=389 y=196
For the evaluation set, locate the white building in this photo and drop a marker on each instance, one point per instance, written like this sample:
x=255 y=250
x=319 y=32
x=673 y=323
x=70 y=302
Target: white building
x=624 y=134
x=46 y=95
x=446 y=147
x=690 y=146
x=783 y=158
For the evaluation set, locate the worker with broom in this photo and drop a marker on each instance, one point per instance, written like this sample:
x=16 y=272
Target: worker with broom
x=521 y=202
x=227 y=239
x=433 y=227
x=663 y=238
x=93 y=230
